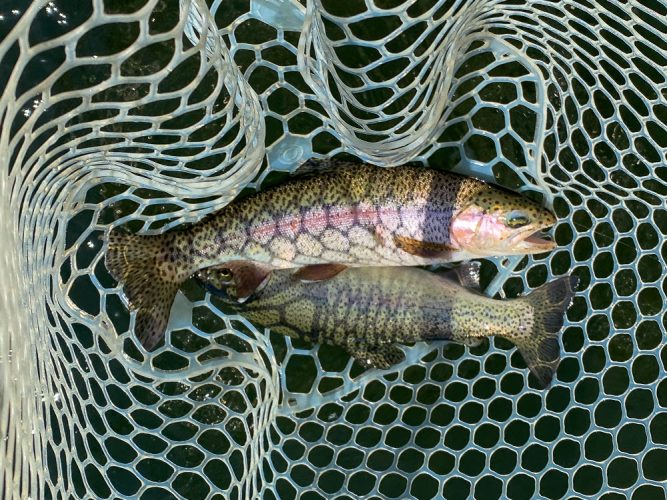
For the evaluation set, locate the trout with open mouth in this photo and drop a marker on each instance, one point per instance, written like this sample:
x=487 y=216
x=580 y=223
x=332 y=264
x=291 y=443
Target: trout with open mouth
x=354 y=215
x=369 y=310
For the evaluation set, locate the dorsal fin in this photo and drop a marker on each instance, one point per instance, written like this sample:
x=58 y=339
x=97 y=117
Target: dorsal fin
x=318 y=166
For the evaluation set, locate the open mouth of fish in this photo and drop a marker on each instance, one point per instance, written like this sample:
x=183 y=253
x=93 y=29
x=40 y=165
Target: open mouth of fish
x=531 y=241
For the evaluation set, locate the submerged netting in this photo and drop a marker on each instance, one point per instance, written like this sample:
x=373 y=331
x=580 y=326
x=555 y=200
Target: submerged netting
x=155 y=113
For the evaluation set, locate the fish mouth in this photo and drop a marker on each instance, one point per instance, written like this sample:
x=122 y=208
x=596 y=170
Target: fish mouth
x=533 y=241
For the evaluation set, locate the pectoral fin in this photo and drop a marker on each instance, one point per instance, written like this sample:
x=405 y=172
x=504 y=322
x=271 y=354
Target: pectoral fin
x=427 y=249
x=377 y=356
x=319 y=272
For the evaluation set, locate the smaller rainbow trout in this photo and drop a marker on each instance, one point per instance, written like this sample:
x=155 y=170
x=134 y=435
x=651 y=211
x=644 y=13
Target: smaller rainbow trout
x=367 y=311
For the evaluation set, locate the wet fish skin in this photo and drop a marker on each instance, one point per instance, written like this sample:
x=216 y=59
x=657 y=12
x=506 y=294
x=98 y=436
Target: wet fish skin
x=368 y=311
x=355 y=215
x=351 y=215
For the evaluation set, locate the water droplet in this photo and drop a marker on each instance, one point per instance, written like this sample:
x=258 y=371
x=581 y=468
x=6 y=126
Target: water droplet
x=292 y=154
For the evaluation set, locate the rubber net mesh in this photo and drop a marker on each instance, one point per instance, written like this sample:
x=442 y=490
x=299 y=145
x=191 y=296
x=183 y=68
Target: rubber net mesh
x=155 y=113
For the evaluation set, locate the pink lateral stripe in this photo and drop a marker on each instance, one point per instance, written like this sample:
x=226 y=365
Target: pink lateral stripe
x=315 y=221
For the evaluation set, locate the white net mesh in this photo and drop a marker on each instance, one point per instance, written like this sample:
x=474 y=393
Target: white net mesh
x=154 y=113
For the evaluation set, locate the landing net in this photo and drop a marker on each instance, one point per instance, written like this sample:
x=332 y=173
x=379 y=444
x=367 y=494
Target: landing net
x=155 y=113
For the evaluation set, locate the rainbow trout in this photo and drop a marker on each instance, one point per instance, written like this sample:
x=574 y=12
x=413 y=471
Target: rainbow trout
x=353 y=215
x=369 y=310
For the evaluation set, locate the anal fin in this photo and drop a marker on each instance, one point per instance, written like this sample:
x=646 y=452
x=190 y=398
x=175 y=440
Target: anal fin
x=472 y=341
x=319 y=272
x=377 y=356
x=468 y=274
x=427 y=249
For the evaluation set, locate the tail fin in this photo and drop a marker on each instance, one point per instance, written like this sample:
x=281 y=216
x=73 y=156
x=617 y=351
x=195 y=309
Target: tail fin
x=540 y=349
x=146 y=269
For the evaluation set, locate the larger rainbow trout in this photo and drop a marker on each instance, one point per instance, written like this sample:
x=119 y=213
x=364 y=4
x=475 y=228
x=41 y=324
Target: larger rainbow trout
x=353 y=215
x=369 y=310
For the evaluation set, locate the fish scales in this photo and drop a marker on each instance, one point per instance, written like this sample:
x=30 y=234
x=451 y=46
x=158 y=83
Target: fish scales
x=412 y=201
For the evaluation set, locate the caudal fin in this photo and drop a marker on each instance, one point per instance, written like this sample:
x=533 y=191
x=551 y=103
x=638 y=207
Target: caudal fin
x=540 y=349
x=146 y=269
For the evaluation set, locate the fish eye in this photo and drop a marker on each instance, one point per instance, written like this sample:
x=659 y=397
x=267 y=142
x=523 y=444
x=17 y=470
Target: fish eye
x=215 y=280
x=224 y=276
x=517 y=219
